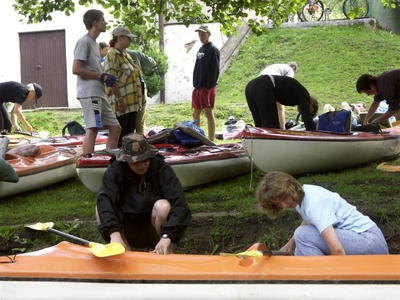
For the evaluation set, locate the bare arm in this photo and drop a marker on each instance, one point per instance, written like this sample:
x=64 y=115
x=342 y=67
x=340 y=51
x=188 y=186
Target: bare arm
x=116 y=237
x=16 y=113
x=331 y=239
x=372 y=109
x=78 y=69
x=385 y=116
x=290 y=246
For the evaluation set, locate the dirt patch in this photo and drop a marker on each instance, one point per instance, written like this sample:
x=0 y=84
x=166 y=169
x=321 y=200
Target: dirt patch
x=208 y=235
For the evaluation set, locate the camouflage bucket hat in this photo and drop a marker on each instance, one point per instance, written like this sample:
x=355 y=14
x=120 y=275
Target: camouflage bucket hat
x=136 y=148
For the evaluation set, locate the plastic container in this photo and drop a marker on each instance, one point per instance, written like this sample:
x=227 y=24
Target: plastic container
x=232 y=128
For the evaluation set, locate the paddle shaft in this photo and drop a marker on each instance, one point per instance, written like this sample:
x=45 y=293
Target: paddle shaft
x=69 y=236
x=273 y=252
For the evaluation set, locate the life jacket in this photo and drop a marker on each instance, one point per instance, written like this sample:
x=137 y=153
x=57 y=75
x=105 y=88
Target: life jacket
x=179 y=137
x=335 y=121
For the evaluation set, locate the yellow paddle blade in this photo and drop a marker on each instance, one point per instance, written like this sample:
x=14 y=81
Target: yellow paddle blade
x=249 y=253
x=40 y=226
x=388 y=168
x=101 y=250
x=252 y=253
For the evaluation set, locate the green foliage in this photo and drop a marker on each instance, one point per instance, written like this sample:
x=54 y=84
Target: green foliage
x=6 y=234
x=330 y=61
x=391 y=3
x=143 y=43
x=52 y=121
x=229 y=13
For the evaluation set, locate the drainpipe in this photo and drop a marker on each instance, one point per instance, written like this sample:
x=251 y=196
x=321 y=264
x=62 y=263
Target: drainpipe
x=161 y=43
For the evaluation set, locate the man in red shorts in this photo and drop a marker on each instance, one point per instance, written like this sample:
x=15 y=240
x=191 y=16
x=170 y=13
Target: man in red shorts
x=205 y=79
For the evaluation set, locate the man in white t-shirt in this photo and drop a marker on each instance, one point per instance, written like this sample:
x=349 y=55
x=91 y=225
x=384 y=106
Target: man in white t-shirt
x=282 y=70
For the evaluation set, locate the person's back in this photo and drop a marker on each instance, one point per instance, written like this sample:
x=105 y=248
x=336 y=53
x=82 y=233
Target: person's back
x=17 y=93
x=279 y=69
x=12 y=91
x=144 y=61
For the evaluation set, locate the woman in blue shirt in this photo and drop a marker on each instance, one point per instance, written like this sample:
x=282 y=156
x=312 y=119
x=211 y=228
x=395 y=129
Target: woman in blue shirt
x=331 y=226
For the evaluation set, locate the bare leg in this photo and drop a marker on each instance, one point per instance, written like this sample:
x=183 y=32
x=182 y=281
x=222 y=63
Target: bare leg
x=327 y=108
x=196 y=116
x=281 y=115
x=345 y=106
x=209 y=112
x=159 y=215
x=89 y=141
x=112 y=141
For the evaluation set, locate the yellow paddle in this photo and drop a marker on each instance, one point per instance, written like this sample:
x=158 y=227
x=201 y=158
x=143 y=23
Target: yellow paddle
x=388 y=168
x=255 y=253
x=97 y=249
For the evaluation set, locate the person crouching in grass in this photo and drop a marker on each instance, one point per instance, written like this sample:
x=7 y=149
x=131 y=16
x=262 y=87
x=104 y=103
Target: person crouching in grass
x=331 y=226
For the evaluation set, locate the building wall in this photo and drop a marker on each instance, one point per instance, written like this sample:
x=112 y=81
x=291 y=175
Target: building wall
x=10 y=50
x=386 y=17
x=181 y=46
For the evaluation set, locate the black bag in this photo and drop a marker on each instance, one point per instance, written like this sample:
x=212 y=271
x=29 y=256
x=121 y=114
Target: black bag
x=373 y=127
x=74 y=128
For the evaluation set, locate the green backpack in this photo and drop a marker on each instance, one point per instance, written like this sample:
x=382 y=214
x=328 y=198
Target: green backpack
x=74 y=128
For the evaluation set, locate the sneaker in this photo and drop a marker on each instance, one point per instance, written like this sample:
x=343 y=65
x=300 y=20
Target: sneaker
x=5 y=132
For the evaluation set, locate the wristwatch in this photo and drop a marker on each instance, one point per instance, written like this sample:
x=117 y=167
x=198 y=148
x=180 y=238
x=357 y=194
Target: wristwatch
x=165 y=236
x=119 y=98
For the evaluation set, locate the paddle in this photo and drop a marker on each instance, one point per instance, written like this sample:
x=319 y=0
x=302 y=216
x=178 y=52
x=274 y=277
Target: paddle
x=255 y=253
x=97 y=249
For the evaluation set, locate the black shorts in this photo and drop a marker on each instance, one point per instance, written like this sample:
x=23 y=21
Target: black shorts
x=139 y=231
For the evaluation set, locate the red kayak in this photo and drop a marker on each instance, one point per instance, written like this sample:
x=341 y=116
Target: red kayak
x=193 y=166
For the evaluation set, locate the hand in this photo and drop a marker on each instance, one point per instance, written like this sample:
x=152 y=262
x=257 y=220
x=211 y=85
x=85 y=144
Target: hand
x=29 y=128
x=164 y=246
x=290 y=245
x=287 y=248
x=116 y=237
x=17 y=129
x=121 y=106
x=108 y=79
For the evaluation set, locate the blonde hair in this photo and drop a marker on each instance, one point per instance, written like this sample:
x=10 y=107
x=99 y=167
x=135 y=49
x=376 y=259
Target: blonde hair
x=277 y=186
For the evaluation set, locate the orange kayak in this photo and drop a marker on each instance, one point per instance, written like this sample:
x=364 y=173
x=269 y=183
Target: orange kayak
x=74 y=270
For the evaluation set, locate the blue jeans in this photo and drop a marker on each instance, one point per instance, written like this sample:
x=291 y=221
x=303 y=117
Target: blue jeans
x=310 y=242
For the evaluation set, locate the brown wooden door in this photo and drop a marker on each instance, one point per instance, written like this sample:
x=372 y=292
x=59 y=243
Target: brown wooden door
x=43 y=60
